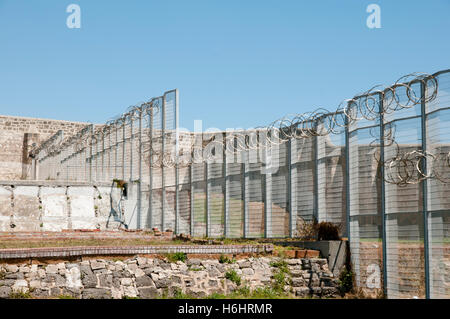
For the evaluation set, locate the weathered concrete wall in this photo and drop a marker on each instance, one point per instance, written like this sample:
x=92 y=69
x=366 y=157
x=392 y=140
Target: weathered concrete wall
x=149 y=278
x=26 y=212
x=54 y=206
x=17 y=135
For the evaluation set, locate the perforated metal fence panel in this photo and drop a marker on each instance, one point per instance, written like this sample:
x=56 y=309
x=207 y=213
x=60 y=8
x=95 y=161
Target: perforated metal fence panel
x=378 y=167
x=365 y=202
x=437 y=120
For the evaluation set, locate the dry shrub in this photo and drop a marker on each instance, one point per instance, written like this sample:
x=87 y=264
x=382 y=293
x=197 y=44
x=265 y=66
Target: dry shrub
x=327 y=231
x=306 y=230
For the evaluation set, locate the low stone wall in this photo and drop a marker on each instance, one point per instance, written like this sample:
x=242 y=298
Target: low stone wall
x=149 y=278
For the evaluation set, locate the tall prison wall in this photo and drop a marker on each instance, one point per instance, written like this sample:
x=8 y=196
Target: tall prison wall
x=17 y=135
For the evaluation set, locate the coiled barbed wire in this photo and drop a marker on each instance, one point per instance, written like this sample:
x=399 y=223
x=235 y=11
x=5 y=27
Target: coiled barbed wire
x=403 y=168
x=369 y=106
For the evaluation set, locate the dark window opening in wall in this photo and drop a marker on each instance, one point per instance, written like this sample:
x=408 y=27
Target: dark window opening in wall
x=125 y=191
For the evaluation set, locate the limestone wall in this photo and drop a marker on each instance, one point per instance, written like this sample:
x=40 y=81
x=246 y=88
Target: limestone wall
x=149 y=278
x=17 y=135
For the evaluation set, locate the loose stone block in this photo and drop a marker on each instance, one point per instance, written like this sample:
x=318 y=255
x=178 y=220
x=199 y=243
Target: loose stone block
x=96 y=293
x=126 y=281
x=5 y=291
x=12 y=268
x=148 y=293
x=144 y=281
x=51 y=269
x=302 y=291
x=97 y=265
x=20 y=285
x=248 y=272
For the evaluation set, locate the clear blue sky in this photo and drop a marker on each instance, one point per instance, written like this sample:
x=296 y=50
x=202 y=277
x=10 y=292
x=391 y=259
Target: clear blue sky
x=236 y=63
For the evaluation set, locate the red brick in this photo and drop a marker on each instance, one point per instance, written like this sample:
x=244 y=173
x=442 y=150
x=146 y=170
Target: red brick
x=312 y=253
x=290 y=253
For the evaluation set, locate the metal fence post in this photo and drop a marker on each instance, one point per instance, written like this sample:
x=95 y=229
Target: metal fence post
x=103 y=155
x=163 y=150
x=383 y=204
x=191 y=176
x=131 y=145
x=139 y=212
x=83 y=159
x=225 y=188
x=116 y=152
x=316 y=175
x=347 y=177
x=245 y=180
x=177 y=177
x=150 y=184
x=123 y=147
x=96 y=157
x=423 y=119
x=109 y=153
x=289 y=188
x=90 y=151
x=207 y=199
x=267 y=192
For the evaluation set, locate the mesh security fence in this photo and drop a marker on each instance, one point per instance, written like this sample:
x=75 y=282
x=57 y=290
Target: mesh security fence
x=378 y=167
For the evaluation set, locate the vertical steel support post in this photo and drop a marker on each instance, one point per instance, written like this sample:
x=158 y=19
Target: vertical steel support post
x=383 y=194
x=316 y=175
x=245 y=180
x=163 y=151
x=139 y=212
x=150 y=182
x=67 y=160
x=208 y=220
x=289 y=190
x=123 y=147
x=62 y=156
x=131 y=146
x=84 y=158
x=267 y=191
x=191 y=178
x=177 y=177
x=96 y=158
x=109 y=153
x=423 y=118
x=103 y=156
x=347 y=177
x=116 y=152
x=225 y=188
x=90 y=151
